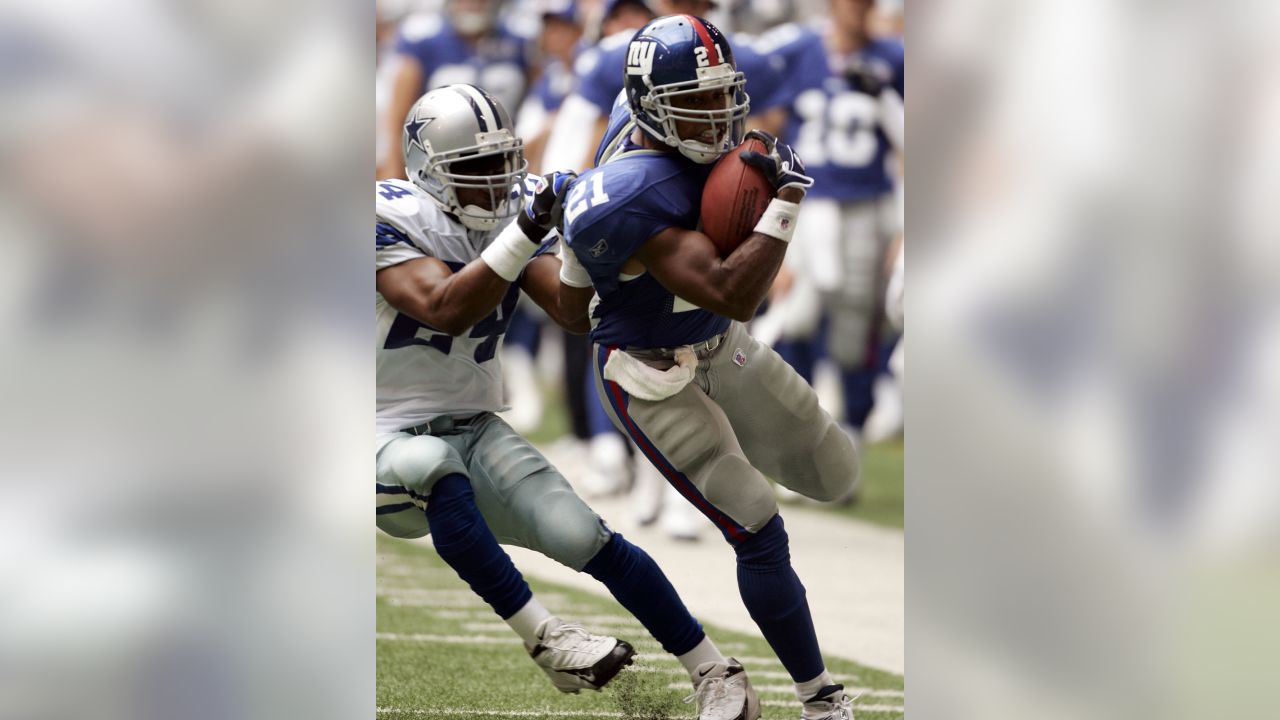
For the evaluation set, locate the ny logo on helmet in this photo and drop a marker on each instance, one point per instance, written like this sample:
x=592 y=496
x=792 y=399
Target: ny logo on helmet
x=640 y=58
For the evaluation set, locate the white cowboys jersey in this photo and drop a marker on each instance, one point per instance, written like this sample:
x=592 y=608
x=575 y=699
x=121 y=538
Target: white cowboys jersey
x=422 y=372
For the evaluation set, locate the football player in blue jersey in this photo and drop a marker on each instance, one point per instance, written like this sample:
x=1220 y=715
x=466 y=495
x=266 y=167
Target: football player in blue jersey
x=464 y=45
x=842 y=107
x=559 y=41
x=713 y=409
x=598 y=74
x=448 y=275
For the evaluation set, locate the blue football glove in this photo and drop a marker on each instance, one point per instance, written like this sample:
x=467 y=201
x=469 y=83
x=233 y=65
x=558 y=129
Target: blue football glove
x=782 y=165
x=544 y=203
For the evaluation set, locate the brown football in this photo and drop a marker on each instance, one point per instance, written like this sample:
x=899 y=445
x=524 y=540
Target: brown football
x=734 y=198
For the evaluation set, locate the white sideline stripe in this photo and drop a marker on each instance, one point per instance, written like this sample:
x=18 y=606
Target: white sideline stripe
x=858 y=706
x=790 y=690
x=751 y=662
x=468 y=712
x=681 y=672
x=449 y=639
x=618 y=628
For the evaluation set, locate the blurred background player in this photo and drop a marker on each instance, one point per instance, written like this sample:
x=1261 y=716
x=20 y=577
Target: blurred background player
x=842 y=107
x=464 y=45
x=448 y=274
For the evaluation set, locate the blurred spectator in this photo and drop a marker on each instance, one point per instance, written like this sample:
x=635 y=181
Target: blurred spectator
x=466 y=45
x=842 y=107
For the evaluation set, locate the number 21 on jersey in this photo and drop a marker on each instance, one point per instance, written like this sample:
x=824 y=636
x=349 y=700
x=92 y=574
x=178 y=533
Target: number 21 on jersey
x=579 y=202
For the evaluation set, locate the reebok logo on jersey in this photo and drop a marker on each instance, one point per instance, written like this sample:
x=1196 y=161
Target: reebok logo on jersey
x=640 y=58
x=599 y=248
x=739 y=357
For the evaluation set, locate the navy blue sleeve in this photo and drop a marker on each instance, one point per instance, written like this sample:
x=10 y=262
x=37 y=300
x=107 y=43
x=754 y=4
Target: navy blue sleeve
x=764 y=73
x=418 y=48
x=608 y=216
x=603 y=82
x=806 y=69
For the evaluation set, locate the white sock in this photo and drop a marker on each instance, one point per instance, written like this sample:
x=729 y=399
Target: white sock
x=527 y=619
x=704 y=652
x=806 y=690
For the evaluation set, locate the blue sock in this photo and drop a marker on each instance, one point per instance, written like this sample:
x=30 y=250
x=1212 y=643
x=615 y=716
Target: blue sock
x=776 y=601
x=799 y=354
x=635 y=580
x=597 y=420
x=466 y=543
x=858 y=396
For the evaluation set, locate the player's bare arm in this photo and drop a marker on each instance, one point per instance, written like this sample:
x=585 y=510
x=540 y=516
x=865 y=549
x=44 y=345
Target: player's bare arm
x=427 y=291
x=567 y=306
x=687 y=264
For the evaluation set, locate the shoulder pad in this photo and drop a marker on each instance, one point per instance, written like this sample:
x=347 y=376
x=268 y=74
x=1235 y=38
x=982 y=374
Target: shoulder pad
x=402 y=204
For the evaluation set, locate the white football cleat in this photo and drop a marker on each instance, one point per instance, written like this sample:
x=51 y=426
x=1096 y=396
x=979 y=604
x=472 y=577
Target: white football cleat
x=723 y=692
x=575 y=659
x=647 y=494
x=831 y=703
x=680 y=520
x=608 y=467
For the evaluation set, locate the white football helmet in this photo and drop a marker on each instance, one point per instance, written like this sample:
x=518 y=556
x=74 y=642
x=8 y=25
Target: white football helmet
x=459 y=147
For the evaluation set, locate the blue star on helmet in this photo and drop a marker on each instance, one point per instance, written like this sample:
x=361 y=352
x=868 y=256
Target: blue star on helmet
x=413 y=127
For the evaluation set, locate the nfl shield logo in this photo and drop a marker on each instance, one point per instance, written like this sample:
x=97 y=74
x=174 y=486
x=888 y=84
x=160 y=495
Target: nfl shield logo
x=739 y=357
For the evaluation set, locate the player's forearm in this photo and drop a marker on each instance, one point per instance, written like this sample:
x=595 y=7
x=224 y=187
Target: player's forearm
x=458 y=302
x=747 y=274
x=566 y=305
x=573 y=307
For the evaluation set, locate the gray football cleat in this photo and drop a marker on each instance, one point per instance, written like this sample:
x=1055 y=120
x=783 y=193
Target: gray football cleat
x=575 y=659
x=723 y=692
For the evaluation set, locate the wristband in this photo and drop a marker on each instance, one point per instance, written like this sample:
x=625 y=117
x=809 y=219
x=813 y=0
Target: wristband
x=572 y=273
x=779 y=220
x=509 y=252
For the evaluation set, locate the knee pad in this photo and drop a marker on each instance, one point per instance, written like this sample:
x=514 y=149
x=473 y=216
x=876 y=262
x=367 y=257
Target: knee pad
x=566 y=530
x=418 y=462
x=736 y=488
x=835 y=465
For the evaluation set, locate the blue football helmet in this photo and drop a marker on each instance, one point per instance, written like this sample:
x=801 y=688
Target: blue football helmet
x=671 y=63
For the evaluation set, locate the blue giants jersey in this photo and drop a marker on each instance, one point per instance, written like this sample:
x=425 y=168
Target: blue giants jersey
x=611 y=211
x=499 y=63
x=836 y=128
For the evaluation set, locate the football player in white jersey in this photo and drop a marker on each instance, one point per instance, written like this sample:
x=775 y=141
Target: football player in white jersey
x=450 y=265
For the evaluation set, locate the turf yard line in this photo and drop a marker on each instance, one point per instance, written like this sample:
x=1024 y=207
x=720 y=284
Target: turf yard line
x=469 y=712
x=449 y=639
x=619 y=627
x=857 y=706
x=431 y=666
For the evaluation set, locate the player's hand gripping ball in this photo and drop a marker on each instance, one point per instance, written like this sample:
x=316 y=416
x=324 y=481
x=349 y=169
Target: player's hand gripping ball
x=734 y=197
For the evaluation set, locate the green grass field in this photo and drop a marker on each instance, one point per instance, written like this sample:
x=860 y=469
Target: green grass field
x=442 y=653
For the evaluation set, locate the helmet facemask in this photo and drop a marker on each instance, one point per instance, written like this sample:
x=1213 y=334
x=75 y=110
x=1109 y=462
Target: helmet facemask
x=662 y=109
x=480 y=185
